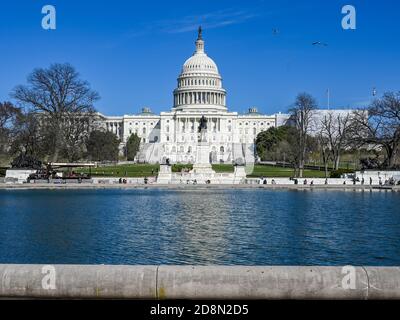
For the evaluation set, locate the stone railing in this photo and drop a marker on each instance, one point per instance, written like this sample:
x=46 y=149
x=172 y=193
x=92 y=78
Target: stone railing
x=198 y=282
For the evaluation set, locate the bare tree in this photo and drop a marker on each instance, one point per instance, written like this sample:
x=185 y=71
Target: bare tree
x=9 y=115
x=301 y=115
x=57 y=94
x=335 y=130
x=379 y=126
x=29 y=138
x=326 y=153
x=76 y=133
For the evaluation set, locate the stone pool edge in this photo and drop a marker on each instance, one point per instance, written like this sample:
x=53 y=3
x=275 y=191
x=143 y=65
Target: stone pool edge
x=198 y=282
x=196 y=187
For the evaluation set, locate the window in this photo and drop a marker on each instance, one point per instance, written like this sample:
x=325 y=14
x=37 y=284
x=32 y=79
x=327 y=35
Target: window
x=144 y=130
x=222 y=150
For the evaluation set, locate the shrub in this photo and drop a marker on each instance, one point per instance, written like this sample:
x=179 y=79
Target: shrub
x=339 y=172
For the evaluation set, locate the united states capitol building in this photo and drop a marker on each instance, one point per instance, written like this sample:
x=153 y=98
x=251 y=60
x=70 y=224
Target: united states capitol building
x=173 y=134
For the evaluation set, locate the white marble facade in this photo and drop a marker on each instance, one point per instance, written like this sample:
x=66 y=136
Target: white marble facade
x=173 y=134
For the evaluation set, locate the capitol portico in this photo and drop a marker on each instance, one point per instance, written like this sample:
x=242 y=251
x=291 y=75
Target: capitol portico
x=173 y=134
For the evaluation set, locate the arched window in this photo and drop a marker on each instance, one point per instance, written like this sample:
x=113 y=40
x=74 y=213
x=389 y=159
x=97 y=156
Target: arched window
x=222 y=150
x=190 y=149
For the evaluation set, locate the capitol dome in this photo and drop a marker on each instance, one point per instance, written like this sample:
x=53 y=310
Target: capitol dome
x=200 y=84
x=200 y=62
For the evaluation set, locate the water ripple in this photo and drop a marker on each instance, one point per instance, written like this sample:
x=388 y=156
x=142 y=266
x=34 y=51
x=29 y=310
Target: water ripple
x=232 y=227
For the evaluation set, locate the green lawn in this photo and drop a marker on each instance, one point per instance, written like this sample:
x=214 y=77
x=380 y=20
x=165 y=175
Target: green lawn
x=145 y=170
x=130 y=170
x=223 y=167
x=279 y=172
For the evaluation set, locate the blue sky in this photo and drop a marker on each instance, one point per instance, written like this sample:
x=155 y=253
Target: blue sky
x=131 y=52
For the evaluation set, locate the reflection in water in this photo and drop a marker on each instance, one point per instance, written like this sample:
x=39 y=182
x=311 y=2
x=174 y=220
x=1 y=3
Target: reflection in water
x=199 y=226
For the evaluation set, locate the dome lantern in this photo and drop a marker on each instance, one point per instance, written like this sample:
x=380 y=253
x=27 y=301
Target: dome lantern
x=199 y=42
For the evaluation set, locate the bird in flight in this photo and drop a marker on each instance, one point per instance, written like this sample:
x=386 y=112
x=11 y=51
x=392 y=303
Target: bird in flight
x=319 y=43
